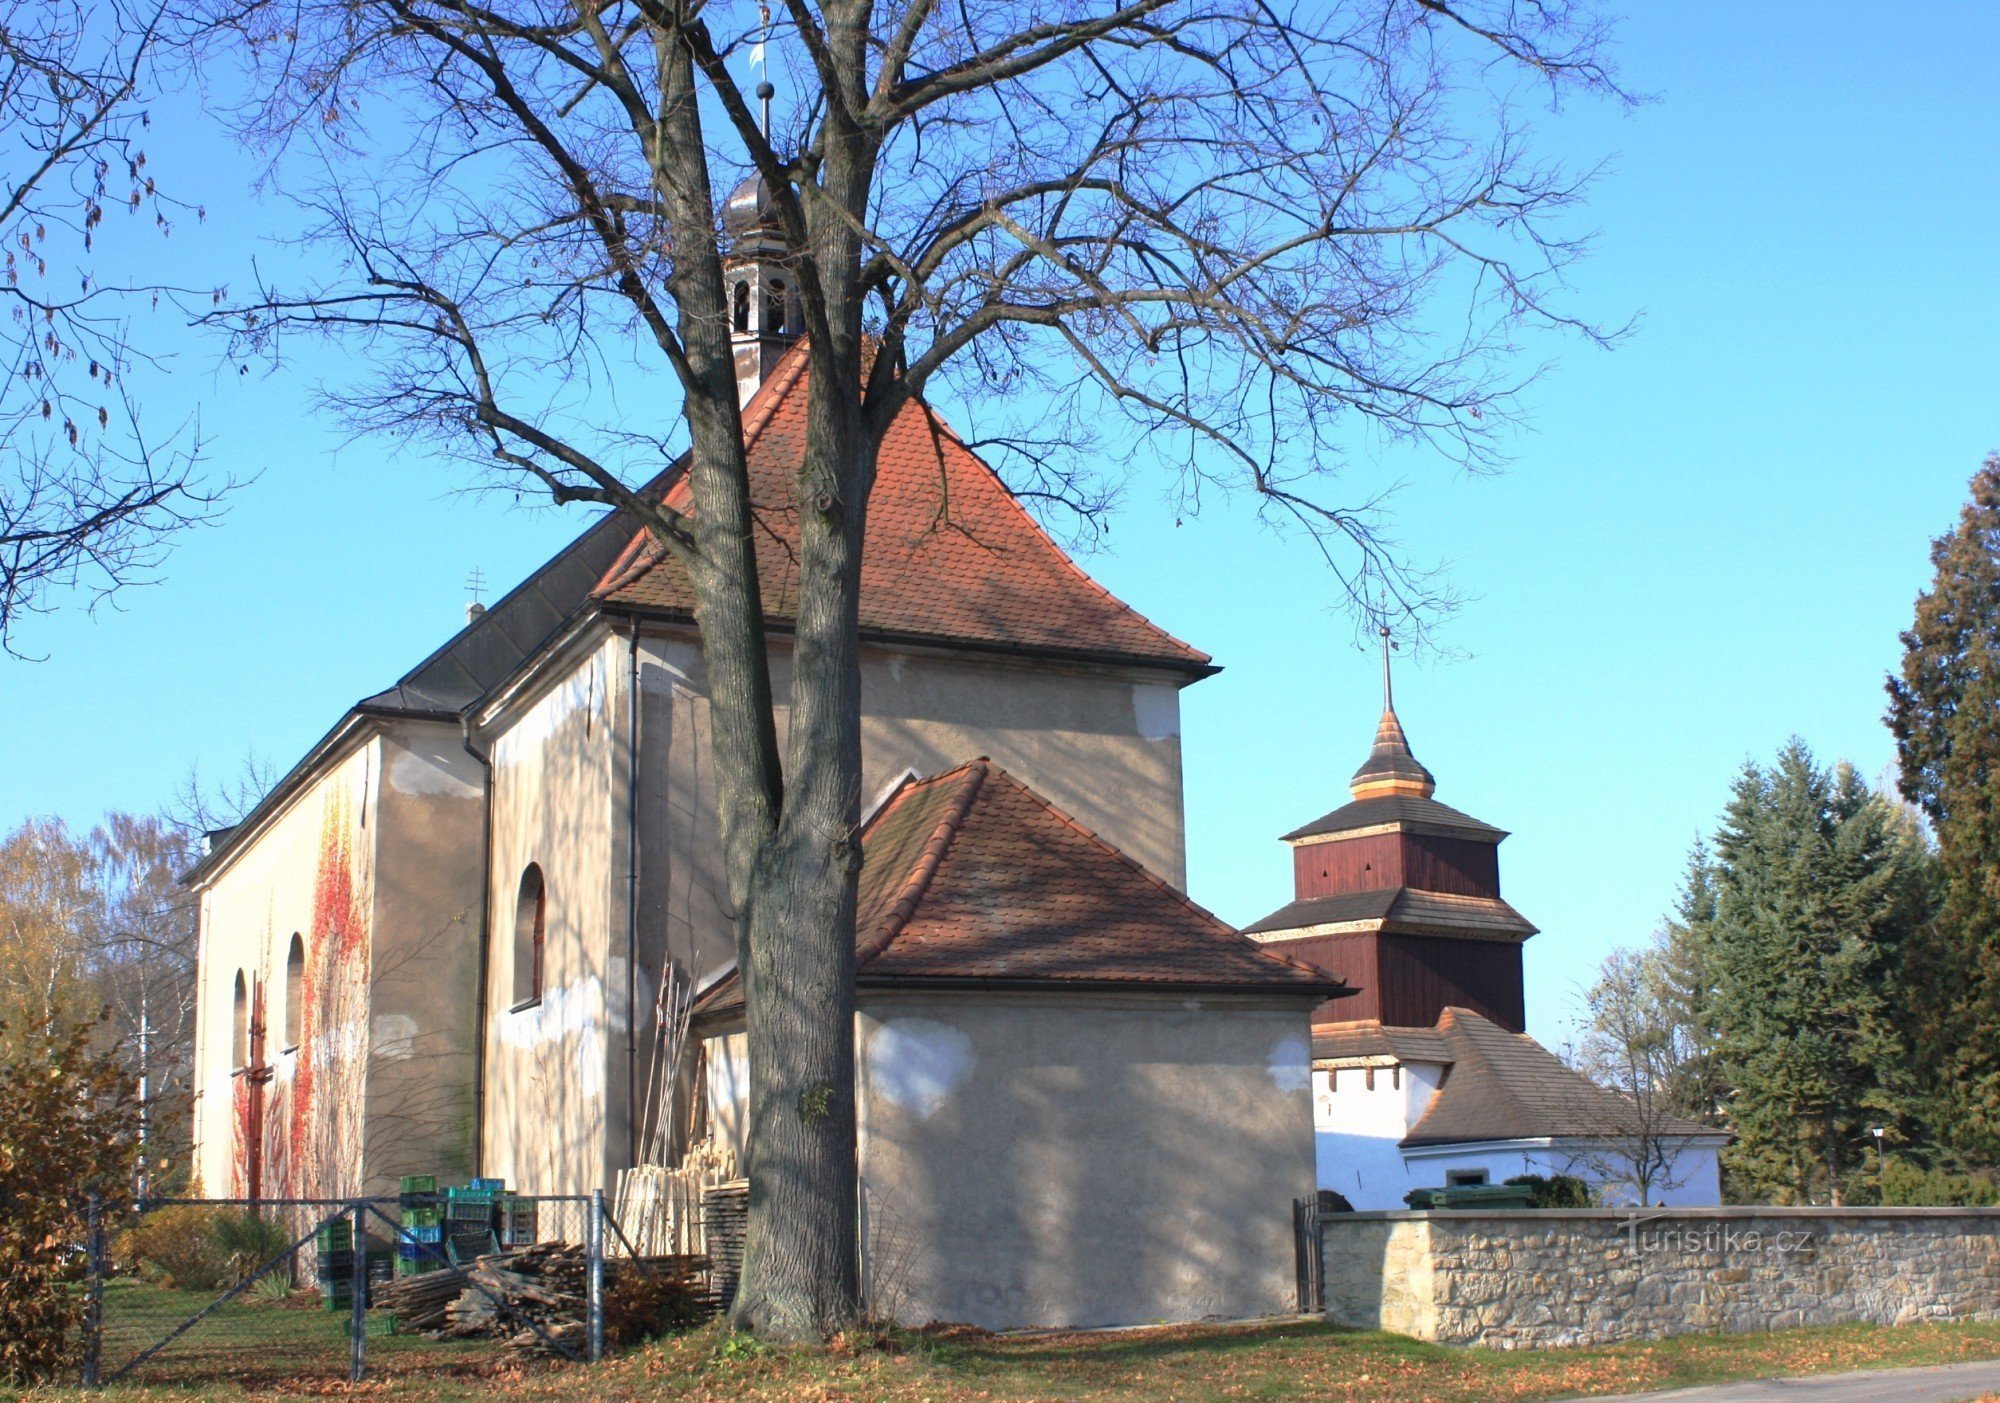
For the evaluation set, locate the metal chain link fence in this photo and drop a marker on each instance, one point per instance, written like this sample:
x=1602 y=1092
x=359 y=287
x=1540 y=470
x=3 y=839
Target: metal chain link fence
x=187 y=1291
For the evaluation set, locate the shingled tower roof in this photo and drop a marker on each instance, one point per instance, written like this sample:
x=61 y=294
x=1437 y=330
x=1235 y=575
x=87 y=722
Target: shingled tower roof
x=1390 y=767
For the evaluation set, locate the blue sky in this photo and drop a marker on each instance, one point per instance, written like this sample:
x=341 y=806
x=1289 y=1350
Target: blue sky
x=1706 y=541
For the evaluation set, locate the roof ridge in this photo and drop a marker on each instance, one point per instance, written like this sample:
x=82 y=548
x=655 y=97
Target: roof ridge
x=1454 y=1015
x=1062 y=556
x=1168 y=887
x=919 y=880
x=644 y=553
x=784 y=379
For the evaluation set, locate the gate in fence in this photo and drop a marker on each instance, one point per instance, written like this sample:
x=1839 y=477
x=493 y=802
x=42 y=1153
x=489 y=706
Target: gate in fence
x=1306 y=1236
x=188 y=1290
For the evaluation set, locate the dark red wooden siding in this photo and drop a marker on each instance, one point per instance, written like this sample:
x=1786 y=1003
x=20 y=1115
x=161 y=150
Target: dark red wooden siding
x=1350 y=959
x=1382 y=860
x=1350 y=864
x=1451 y=865
x=1422 y=975
x=1406 y=981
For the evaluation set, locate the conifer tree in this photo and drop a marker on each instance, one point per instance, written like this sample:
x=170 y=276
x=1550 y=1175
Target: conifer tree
x=1816 y=889
x=1945 y=712
x=1684 y=963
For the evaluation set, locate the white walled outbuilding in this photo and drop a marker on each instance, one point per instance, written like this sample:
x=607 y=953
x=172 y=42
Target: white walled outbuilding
x=1363 y=1114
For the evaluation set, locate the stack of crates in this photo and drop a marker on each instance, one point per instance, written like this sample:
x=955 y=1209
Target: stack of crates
x=472 y=1219
x=335 y=1243
x=420 y=1244
x=517 y=1222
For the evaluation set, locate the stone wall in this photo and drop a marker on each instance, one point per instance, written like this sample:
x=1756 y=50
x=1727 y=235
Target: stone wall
x=1528 y=1280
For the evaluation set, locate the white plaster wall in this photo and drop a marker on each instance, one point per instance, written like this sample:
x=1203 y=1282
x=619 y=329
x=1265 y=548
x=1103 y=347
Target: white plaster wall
x=1064 y=1161
x=424 y=997
x=1358 y=1152
x=1103 y=745
x=1358 y=1130
x=543 y=1124
x=249 y=911
x=727 y=1067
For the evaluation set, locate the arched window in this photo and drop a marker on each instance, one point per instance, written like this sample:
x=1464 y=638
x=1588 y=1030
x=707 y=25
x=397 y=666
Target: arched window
x=531 y=921
x=295 y=991
x=239 y=1042
x=774 y=308
x=743 y=306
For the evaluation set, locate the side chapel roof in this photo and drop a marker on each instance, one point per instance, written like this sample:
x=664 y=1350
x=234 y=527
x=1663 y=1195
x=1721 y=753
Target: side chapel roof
x=972 y=877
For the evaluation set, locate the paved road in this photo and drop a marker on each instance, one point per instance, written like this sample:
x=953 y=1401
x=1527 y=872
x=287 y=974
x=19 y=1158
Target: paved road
x=1942 y=1383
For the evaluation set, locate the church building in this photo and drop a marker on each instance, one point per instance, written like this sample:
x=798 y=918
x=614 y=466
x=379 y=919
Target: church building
x=1425 y=1077
x=481 y=928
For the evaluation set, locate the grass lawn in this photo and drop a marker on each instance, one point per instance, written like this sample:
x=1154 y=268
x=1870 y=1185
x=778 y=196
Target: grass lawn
x=1185 y=1364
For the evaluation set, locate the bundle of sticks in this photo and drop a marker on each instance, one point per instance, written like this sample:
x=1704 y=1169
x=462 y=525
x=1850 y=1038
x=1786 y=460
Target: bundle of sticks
x=534 y=1297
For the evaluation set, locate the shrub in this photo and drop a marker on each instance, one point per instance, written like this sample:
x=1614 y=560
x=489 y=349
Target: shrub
x=1554 y=1190
x=175 y=1246
x=1905 y=1184
x=68 y=1125
x=197 y=1246
x=643 y=1301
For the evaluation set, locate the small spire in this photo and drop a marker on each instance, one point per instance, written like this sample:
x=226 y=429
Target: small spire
x=1390 y=767
x=1388 y=686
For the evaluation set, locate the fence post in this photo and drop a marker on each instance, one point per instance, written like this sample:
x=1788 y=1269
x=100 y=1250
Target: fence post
x=357 y=1365
x=594 y=1288
x=93 y=1299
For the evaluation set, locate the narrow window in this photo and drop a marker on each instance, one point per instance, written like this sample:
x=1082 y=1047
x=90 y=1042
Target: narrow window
x=743 y=306
x=295 y=990
x=1464 y=1178
x=239 y=1042
x=774 y=308
x=531 y=912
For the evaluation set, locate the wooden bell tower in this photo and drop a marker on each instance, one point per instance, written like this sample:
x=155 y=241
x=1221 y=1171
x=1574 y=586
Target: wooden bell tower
x=1399 y=896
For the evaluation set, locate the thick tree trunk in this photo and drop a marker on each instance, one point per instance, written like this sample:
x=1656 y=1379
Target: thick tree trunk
x=801 y=1265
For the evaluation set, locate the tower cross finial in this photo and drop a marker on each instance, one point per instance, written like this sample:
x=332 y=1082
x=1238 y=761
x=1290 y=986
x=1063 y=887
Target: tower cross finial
x=1388 y=686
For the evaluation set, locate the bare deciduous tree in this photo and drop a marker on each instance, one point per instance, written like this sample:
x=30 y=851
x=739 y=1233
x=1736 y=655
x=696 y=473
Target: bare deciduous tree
x=1253 y=230
x=1636 y=1047
x=88 y=498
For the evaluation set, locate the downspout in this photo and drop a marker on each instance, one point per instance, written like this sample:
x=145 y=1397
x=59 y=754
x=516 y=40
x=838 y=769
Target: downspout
x=632 y=906
x=485 y=947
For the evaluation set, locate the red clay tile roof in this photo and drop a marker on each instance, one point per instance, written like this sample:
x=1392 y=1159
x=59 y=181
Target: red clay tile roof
x=950 y=553
x=972 y=876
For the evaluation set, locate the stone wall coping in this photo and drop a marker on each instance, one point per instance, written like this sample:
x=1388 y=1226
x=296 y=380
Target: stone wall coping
x=1648 y=1215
